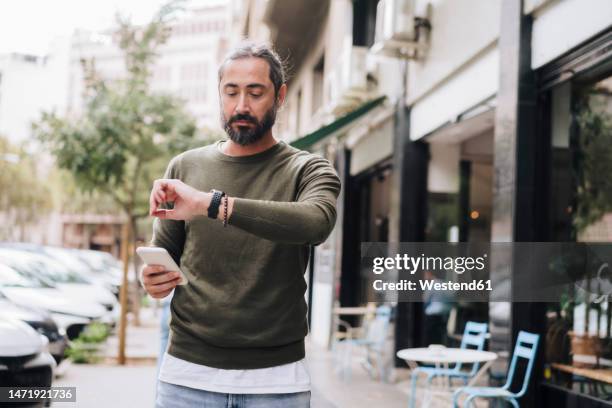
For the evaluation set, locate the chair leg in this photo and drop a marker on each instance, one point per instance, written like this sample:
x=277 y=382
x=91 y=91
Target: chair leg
x=456 y=398
x=426 y=398
x=514 y=402
x=382 y=369
x=346 y=363
x=470 y=401
x=415 y=376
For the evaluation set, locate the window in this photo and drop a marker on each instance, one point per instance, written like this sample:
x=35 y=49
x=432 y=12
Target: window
x=298 y=112
x=318 y=85
x=194 y=72
x=579 y=329
x=364 y=22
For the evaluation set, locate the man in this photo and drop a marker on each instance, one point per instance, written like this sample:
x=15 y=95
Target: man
x=238 y=326
x=437 y=307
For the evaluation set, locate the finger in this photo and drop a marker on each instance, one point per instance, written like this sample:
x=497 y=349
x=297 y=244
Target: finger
x=166 y=215
x=152 y=269
x=161 y=295
x=160 y=196
x=158 y=200
x=152 y=202
x=170 y=194
x=164 y=286
x=162 y=277
x=161 y=214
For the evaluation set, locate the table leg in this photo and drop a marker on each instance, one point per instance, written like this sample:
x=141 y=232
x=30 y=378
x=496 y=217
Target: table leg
x=448 y=379
x=480 y=373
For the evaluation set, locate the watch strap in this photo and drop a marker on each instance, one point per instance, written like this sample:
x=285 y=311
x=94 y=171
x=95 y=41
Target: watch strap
x=215 y=202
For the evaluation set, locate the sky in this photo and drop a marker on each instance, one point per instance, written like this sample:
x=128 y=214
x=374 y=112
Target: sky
x=30 y=26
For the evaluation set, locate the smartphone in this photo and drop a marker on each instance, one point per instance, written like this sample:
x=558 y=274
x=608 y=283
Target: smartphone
x=159 y=256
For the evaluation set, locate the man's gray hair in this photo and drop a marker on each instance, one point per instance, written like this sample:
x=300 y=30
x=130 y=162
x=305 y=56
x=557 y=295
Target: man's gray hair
x=258 y=50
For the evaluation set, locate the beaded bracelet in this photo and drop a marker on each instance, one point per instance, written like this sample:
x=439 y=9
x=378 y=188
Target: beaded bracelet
x=225 y=211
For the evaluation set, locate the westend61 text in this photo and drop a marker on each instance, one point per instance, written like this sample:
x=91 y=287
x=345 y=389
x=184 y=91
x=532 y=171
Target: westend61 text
x=404 y=284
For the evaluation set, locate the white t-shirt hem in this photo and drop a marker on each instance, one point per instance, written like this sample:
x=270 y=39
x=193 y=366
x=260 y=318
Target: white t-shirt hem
x=241 y=390
x=272 y=380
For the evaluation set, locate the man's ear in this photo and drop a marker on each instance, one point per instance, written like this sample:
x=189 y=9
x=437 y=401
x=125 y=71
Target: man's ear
x=282 y=93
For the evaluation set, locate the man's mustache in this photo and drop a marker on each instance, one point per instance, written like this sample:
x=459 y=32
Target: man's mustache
x=243 y=117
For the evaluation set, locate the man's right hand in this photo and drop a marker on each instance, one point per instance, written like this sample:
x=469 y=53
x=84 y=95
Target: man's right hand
x=157 y=281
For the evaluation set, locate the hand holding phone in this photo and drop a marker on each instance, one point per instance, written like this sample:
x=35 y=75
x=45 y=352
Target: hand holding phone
x=160 y=274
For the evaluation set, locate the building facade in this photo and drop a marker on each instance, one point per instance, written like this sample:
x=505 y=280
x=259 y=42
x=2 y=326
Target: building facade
x=186 y=65
x=29 y=84
x=472 y=121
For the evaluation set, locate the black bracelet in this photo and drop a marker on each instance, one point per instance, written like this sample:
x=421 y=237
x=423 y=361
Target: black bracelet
x=213 y=208
x=225 y=211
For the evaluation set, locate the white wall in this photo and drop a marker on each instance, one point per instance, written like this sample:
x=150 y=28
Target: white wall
x=26 y=89
x=460 y=31
x=461 y=67
x=443 y=172
x=562 y=25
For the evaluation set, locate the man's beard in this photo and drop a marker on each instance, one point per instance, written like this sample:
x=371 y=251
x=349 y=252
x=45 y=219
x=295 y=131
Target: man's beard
x=248 y=135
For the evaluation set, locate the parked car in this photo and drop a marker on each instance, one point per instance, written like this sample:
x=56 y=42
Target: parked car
x=101 y=271
x=104 y=264
x=63 y=278
x=41 y=321
x=24 y=357
x=97 y=266
x=70 y=315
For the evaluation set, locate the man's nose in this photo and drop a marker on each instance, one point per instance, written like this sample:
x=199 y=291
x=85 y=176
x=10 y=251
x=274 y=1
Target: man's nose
x=243 y=105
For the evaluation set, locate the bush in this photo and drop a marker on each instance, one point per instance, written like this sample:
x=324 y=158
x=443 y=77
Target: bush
x=86 y=348
x=95 y=333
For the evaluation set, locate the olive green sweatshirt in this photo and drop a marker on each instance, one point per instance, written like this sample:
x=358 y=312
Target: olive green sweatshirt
x=244 y=306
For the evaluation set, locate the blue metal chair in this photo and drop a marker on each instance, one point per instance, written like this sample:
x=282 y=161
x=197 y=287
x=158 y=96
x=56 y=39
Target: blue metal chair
x=373 y=342
x=474 y=337
x=526 y=347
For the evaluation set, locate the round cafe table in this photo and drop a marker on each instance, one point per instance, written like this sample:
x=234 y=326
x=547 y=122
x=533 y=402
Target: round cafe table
x=443 y=356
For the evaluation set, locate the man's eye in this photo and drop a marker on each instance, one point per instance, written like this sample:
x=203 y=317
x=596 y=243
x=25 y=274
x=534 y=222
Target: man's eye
x=230 y=93
x=256 y=95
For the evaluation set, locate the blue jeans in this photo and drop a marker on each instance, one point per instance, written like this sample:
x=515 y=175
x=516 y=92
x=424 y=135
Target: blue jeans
x=164 y=333
x=177 y=396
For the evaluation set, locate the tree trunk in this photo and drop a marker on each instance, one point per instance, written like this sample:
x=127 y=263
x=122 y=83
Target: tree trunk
x=137 y=289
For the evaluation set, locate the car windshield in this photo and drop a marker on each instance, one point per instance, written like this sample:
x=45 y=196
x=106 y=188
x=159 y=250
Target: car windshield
x=57 y=272
x=39 y=266
x=69 y=261
x=13 y=278
x=98 y=261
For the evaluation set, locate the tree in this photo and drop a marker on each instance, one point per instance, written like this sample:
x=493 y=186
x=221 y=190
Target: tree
x=127 y=133
x=25 y=199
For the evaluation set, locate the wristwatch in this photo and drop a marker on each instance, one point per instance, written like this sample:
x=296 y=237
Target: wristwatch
x=213 y=208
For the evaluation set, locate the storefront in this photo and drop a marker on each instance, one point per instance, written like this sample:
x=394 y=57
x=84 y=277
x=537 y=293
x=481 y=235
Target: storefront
x=539 y=172
x=575 y=115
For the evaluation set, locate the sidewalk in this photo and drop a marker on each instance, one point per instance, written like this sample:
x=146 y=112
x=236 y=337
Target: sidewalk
x=329 y=390
x=142 y=342
x=111 y=385
x=105 y=385
x=133 y=385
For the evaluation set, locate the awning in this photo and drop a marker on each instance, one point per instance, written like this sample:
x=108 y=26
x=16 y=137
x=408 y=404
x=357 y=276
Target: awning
x=310 y=139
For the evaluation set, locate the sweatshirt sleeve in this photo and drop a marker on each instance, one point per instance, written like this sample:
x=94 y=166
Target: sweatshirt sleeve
x=308 y=220
x=169 y=234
